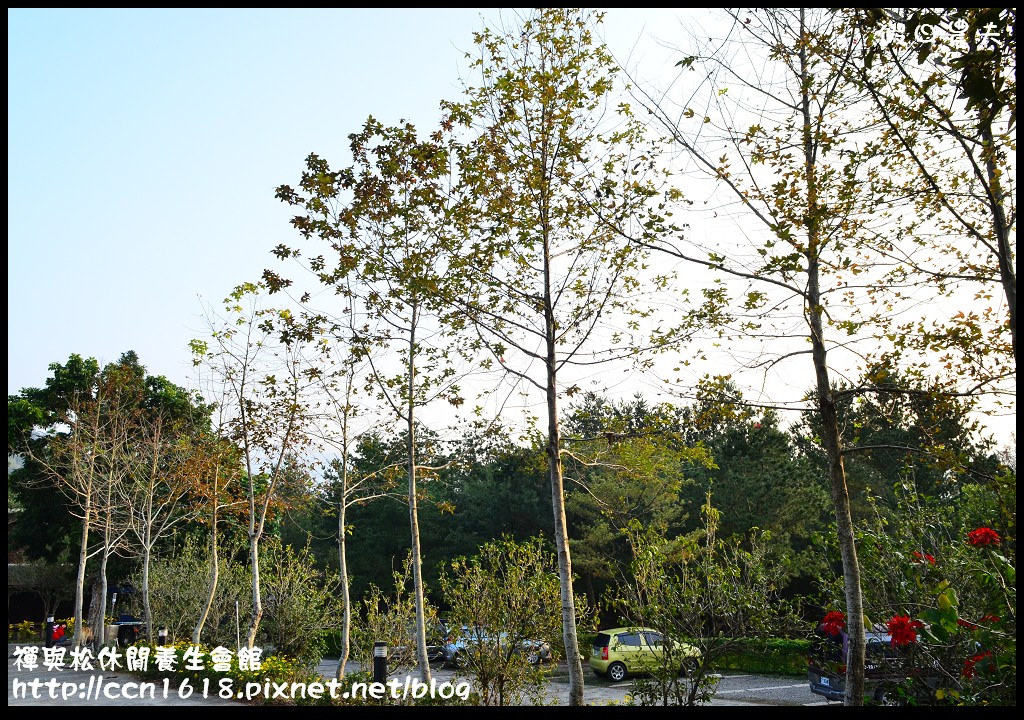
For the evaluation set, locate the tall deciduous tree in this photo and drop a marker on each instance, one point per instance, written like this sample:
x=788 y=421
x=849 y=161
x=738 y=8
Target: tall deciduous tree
x=385 y=221
x=347 y=488
x=76 y=435
x=778 y=126
x=211 y=465
x=115 y=463
x=544 y=273
x=212 y=468
x=156 y=496
x=266 y=383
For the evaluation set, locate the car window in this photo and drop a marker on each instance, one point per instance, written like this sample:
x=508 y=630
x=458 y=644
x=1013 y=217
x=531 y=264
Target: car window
x=653 y=639
x=601 y=640
x=630 y=639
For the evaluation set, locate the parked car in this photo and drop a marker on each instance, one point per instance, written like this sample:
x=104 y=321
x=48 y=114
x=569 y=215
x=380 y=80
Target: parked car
x=826 y=667
x=436 y=638
x=624 y=651
x=459 y=645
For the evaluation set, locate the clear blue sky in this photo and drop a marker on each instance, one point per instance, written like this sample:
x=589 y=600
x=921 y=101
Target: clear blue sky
x=144 y=147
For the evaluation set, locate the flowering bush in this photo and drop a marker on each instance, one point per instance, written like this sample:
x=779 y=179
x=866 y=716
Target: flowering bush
x=29 y=631
x=833 y=623
x=947 y=583
x=983 y=536
x=904 y=630
x=24 y=631
x=970 y=671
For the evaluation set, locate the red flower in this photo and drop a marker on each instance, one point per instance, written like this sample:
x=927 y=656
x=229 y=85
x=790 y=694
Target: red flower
x=983 y=536
x=904 y=630
x=984 y=618
x=969 y=665
x=833 y=623
x=919 y=558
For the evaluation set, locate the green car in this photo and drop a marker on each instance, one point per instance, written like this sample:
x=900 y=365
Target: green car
x=624 y=651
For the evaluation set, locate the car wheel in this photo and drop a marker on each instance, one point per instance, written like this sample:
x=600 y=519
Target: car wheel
x=888 y=697
x=460 y=660
x=688 y=668
x=616 y=672
x=533 y=657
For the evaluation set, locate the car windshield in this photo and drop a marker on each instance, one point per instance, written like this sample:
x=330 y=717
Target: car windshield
x=601 y=640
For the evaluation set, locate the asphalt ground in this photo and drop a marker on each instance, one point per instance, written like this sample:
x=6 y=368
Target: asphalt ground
x=39 y=687
x=732 y=689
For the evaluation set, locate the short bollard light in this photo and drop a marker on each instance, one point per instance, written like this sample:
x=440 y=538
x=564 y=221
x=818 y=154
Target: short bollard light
x=380 y=662
x=49 y=631
x=161 y=635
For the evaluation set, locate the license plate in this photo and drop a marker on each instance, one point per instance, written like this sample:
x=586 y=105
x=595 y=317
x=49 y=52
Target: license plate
x=824 y=682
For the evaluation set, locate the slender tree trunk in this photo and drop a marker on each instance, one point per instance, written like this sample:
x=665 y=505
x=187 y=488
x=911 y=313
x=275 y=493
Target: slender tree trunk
x=83 y=553
x=414 y=523
x=197 y=632
x=346 y=596
x=841 y=502
x=827 y=406
x=257 y=606
x=572 y=648
x=99 y=623
x=254 y=555
x=94 y=610
x=83 y=556
x=147 y=553
x=147 y=542
x=257 y=528
x=1007 y=273
x=257 y=603
x=346 y=616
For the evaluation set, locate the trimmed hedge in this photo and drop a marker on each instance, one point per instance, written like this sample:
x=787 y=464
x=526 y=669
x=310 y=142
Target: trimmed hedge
x=774 y=657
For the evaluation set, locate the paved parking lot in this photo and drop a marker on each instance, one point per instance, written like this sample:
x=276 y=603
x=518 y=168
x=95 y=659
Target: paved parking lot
x=733 y=689
x=107 y=688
